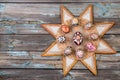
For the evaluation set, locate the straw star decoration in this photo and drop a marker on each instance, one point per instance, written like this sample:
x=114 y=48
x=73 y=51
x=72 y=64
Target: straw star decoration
x=78 y=39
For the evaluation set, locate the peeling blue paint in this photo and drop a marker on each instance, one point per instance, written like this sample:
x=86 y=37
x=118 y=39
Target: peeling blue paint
x=10 y=29
x=41 y=66
x=34 y=55
x=118 y=54
x=68 y=77
x=8 y=18
x=15 y=41
x=17 y=65
x=30 y=25
x=10 y=47
x=25 y=64
x=2 y=7
x=22 y=65
x=14 y=65
x=18 y=53
x=28 y=64
x=114 y=5
x=103 y=9
x=40 y=22
x=2 y=73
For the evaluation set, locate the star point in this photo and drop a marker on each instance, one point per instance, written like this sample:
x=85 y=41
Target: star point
x=51 y=28
x=104 y=48
x=103 y=27
x=90 y=62
x=52 y=50
x=66 y=15
x=87 y=15
x=69 y=62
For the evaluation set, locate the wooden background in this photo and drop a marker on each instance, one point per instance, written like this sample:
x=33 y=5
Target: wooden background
x=22 y=40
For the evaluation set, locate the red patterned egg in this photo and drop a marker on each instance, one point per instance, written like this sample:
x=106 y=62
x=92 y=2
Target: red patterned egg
x=65 y=28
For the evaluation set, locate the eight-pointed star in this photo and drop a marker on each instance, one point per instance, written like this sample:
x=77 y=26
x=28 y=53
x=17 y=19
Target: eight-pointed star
x=57 y=49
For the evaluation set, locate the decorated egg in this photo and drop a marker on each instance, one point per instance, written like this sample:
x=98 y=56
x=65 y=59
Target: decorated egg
x=77 y=38
x=94 y=36
x=68 y=50
x=75 y=21
x=65 y=28
x=88 y=25
x=90 y=46
x=61 y=39
x=79 y=53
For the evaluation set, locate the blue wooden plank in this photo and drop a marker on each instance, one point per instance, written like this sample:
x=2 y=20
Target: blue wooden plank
x=33 y=11
x=2 y=7
x=17 y=53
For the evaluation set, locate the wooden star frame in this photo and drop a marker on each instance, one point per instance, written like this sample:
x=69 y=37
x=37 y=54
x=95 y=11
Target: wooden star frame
x=57 y=49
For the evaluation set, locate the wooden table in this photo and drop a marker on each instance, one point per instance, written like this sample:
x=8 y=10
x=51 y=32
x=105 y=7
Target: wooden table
x=22 y=40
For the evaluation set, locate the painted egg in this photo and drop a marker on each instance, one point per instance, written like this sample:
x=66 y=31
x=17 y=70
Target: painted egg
x=68 y=50
x=75 y=21
x=77 y=38
x=90 y=46
x=65 y=28
x=88 y=25
x=79 y=53
x=94 y=36
x=61 y=39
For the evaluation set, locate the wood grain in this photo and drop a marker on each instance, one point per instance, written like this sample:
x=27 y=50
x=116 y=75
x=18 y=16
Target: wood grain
x=57 y=1
x=41 y=42
x=33 y=27
x=34 y=55
x=53 y=64
x=38 y=74
x=28 y=11
x=22 y=40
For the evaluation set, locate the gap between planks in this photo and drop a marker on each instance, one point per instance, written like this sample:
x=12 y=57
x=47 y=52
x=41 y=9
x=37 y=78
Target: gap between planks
x=58 y=1
x=101 y=10
x=42 y=64
x=37 y=74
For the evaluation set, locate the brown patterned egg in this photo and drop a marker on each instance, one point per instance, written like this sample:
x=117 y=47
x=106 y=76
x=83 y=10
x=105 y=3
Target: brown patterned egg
x=75 y=21
x=65 y=28
x=68 y=50
x=94 y=36
x=79 y=53
x=88 y=25
x=77 y=38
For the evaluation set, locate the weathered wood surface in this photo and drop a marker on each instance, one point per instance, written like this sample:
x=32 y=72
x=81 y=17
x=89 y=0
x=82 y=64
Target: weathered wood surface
x=38 y=74
x=26 y=18
x=9 y=26
x=22 y=40
x=41 y=42
x=28 y=55
x=53 y=64
x=16 y=11
x=34 y=1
